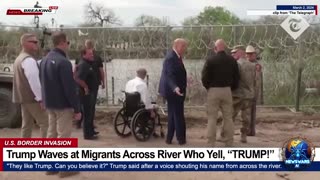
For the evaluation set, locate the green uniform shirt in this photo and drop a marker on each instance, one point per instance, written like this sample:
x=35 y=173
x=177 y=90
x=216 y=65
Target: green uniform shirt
x=246 y=88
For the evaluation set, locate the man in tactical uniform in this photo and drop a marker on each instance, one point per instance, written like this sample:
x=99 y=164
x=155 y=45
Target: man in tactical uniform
x=242 y=97
x=251 y=56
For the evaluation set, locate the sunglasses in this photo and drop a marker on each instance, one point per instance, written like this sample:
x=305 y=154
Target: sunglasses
x=34 y=42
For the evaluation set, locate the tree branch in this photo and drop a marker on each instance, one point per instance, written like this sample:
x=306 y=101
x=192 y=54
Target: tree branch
x=100 y=15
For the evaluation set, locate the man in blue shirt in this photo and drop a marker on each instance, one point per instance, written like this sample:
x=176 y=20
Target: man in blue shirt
x=59 y=90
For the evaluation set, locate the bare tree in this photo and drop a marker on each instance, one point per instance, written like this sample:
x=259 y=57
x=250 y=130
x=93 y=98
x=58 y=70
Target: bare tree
x=99 y=15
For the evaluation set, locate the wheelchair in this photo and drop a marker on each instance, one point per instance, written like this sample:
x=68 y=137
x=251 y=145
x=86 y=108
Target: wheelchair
x=134 y=119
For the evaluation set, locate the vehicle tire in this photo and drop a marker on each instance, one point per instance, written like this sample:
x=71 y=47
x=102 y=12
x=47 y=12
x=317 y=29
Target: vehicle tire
x=10 y=113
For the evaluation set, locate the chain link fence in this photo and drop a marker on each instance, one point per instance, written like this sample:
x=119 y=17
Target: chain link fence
x=126 y=49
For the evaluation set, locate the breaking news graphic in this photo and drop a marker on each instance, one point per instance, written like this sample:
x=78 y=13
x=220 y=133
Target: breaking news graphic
x=35 y=10
x=32 y=11
x=298 y=154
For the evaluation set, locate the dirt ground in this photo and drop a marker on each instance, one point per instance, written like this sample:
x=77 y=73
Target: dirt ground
x=274 y=126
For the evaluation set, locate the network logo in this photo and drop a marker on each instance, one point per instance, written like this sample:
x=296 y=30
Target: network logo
x=36 y=10
x=297 y=153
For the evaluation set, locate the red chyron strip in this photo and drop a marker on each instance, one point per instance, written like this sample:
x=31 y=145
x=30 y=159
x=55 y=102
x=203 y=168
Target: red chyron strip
x=35 y=142
x=19 y=12
x=1 y=154
x=53 y=7
x=316 y=9
x=38 y=142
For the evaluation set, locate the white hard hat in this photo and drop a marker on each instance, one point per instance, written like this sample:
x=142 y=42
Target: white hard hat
x=250 y=49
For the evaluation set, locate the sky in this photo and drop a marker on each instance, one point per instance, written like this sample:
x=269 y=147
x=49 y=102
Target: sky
x=71 y=12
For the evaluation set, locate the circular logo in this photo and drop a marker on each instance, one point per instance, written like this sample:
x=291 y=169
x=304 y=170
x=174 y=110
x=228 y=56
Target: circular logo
x=297 y=153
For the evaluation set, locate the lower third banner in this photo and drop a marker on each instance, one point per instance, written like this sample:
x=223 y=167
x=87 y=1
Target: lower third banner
x=151 y=166
x=296 y=154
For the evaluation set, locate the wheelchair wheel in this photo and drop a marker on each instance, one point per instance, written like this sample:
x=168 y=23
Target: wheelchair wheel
x=142 y=126
x=121 y=124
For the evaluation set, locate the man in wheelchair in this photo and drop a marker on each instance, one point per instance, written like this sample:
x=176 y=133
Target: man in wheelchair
x=138 y=85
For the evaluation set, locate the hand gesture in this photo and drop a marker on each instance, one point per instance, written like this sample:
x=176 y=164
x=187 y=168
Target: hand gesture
x=42 y=105
x=86 y=91
x=77 y=116
x=177 y=91
x=152 y=114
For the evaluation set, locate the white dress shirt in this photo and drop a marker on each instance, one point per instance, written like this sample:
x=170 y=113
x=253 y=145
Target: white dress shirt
x=138 y=85
x=176 y=53
x=31 y=72
x=38 y=62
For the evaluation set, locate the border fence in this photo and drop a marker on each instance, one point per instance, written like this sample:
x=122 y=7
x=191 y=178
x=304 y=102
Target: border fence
x=124 y=49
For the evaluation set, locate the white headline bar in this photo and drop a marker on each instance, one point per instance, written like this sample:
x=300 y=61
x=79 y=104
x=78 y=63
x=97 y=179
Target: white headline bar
x=259 y=12
x=280 y=12
x=141 y=154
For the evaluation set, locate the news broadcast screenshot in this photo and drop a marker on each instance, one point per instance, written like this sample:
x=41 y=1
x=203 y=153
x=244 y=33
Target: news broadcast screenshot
x=159 y=89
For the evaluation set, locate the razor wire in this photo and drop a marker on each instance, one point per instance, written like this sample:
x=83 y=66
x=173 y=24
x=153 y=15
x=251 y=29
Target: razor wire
x=276 y=49
x=151 y=42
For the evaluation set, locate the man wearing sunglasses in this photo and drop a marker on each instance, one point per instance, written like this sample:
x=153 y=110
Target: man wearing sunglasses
x=27 y=87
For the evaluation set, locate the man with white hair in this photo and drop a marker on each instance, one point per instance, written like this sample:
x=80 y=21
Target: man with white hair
x=172 y=87
x=27 y=87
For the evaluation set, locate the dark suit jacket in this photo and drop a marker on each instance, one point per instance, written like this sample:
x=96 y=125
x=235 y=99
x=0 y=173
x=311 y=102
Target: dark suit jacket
x=173 y=75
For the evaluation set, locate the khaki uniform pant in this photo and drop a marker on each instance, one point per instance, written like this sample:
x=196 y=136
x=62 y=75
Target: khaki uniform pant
x=60 y=123
x=220 y=98
x=30 y=113
x=243 y=105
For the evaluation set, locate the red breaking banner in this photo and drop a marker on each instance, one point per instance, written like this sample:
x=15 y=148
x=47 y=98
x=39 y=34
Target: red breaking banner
x=19 y=12
x=35 y=143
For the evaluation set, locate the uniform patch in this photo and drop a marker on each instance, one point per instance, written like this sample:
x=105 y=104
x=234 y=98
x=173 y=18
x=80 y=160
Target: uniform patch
x=258 y=67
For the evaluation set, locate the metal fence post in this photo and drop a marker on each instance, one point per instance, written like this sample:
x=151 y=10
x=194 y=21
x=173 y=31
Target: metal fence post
x=235 y=35
x=299 y=76
x=168 y=38
x=261 y=90
x=112 y=83
x=105 y=65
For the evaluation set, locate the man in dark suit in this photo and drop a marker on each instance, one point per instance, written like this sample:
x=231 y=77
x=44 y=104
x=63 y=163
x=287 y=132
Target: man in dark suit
x=172 y=87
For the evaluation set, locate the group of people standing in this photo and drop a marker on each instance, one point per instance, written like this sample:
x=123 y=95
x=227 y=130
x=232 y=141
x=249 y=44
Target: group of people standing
x=52 y=93
x=232 y=84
